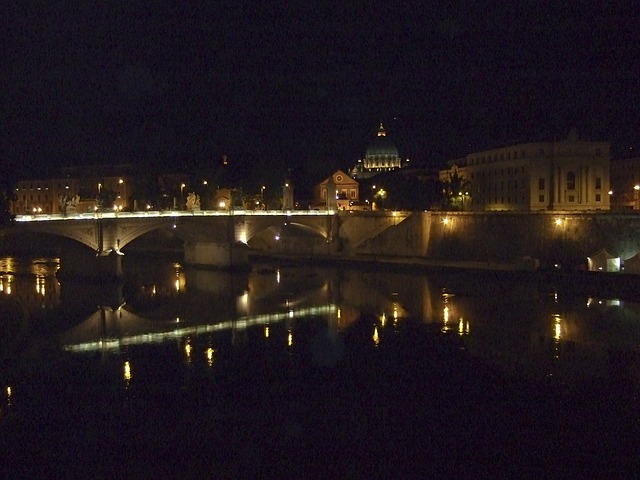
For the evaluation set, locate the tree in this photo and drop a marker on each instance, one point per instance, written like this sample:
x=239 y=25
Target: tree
x=454 y=190
x=105 y=199
x=5 y=214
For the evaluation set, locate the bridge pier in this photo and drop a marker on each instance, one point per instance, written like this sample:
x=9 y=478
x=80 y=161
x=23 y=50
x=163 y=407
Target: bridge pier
x=216 y=254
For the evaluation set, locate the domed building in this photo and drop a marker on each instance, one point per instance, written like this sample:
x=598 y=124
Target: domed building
x=381 y=155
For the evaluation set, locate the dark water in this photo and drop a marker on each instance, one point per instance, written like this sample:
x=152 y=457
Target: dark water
x=292 y=372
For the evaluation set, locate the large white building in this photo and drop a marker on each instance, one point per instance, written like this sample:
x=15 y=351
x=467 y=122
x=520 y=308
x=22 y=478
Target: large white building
x=570 y=174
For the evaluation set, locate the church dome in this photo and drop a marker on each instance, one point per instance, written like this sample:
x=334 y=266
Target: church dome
x=381 y=155
x=381 y=146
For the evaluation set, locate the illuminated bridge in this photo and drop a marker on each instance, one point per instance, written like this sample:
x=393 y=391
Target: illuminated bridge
x=215 y=238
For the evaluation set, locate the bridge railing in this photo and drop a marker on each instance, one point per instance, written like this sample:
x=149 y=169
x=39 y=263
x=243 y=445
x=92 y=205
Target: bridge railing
x=166 y=213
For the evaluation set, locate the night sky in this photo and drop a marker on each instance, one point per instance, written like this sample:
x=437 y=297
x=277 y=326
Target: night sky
x=175 y=85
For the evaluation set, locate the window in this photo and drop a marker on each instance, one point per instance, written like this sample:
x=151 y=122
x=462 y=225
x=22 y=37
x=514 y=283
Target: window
x=572 y=198
x=598 y=183
x=571 y=181
x=598 y=197
x=541 y=184
x=541 y=198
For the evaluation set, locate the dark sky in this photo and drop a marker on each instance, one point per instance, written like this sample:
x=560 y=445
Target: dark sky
x=181 y=83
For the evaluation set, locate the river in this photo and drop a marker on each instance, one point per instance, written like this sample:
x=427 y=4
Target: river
x=298 y=371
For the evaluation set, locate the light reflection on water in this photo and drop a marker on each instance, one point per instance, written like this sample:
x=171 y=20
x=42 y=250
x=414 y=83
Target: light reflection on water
x=518 y=328
x=188 y=365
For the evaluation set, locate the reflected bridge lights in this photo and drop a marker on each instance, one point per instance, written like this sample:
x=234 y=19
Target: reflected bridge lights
x=446 y=312
x=127 y=373
x=210 y=354
x=187 y=350
x=5 y=284
x=375 y=337
x=40 y=285
x=463 y=327
x=557 y=335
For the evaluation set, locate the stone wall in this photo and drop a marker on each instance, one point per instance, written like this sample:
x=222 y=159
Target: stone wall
x=566 y=238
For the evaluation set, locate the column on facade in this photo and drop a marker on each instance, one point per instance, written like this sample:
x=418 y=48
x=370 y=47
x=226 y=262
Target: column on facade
x=584 y=194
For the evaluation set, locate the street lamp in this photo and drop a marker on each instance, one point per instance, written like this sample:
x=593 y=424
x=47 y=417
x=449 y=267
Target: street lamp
x=636 y=197
x=262 y=189
x=123 y=199
x=182 y=185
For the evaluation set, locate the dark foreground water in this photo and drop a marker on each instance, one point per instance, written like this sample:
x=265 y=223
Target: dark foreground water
x=294 y=372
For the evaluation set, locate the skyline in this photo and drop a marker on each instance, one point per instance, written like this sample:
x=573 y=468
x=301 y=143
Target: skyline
x=306 y=87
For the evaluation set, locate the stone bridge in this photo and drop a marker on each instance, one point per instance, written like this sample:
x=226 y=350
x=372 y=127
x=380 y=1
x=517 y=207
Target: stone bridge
x=216 y=238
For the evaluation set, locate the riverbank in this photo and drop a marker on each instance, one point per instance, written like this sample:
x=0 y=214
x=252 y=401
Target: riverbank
x=593 y=284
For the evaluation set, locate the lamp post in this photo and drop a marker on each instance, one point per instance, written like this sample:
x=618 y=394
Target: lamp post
x=636 y=197
x=123 y=198
x=262 y=189
x=182 y=185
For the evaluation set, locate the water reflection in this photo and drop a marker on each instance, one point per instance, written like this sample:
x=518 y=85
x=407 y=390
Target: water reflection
x=529 y=334
x=32 y=283
x=517 y=326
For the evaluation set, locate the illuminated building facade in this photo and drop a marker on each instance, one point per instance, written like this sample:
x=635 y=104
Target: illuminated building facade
x=42 y=195
x=571 y=174
x=76 y=190
x=345 y=189
x=67 y=195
